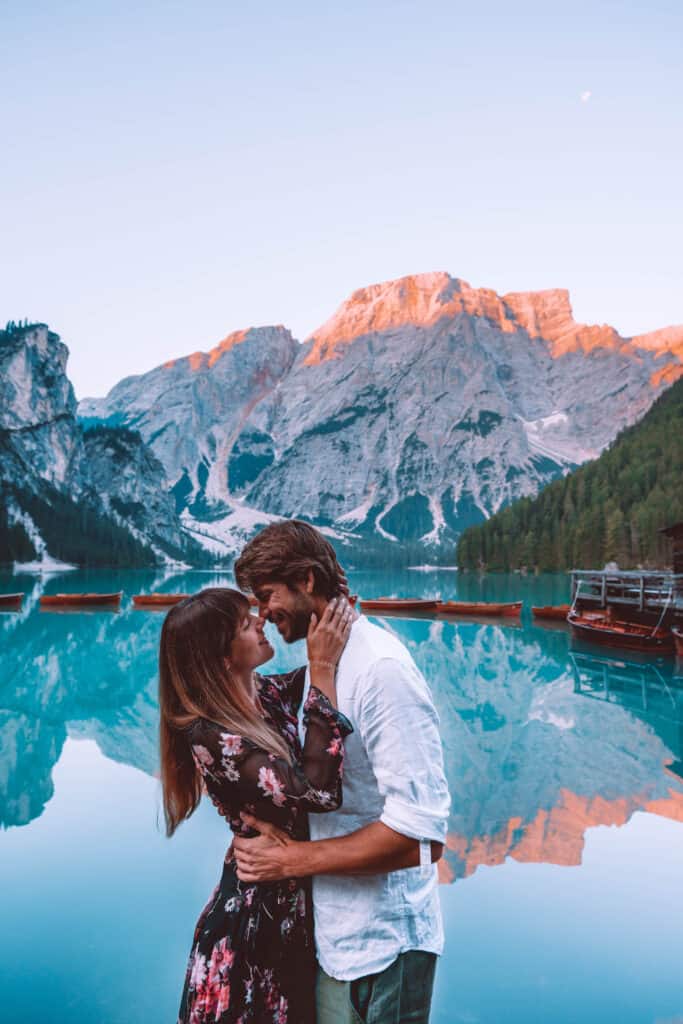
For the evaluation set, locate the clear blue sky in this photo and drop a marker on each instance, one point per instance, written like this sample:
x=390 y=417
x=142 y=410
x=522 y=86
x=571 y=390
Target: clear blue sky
x=171 y=172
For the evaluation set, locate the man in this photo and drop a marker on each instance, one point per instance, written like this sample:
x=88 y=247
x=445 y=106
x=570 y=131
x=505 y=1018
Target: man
x=377 y=918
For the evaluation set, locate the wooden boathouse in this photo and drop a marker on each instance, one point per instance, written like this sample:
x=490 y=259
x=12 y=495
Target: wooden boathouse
x=675 y=535
x=639 y=596
x=645 y=593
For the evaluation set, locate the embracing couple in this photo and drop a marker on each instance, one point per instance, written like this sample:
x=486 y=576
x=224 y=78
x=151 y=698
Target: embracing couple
x=331 y=772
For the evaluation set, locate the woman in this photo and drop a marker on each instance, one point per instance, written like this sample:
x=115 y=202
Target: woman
x=234 y=733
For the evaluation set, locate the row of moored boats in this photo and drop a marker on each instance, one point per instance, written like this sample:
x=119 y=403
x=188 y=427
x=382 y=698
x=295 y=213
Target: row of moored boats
x=596 y=626
x=510 y=609
x=95 y=600
x=388 y=604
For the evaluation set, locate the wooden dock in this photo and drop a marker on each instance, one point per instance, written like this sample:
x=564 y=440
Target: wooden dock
x=644 y=593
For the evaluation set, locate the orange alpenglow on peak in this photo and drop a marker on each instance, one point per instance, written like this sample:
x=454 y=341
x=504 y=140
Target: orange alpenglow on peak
x=669 y=339
x=423 y=299
x=666 y=340
x=418 y=300
x=205 y=360
x=236 y=338
x=548 y=314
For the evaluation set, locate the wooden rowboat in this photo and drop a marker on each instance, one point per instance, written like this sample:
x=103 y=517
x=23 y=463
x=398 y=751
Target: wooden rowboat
x=509 y=609
x=677 y=634
x=602 y=629
x=398 y=604
x=551 y=611
x=11 y=600
x=168 y=600
x=80 y=600
x=157 y=600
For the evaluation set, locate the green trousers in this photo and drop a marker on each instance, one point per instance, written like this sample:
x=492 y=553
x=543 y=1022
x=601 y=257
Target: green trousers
x=401 y=994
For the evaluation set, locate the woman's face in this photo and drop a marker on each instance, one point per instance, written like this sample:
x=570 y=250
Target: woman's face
x=250 y=647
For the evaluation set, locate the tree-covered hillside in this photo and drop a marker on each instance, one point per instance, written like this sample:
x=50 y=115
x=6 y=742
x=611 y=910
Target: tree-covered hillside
x=75 y=533
x=610 y=509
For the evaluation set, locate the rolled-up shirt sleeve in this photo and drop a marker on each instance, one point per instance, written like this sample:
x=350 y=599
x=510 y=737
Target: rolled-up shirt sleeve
x=399 y=727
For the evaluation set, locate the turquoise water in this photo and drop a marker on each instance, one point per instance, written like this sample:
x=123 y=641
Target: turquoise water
x=562 y=894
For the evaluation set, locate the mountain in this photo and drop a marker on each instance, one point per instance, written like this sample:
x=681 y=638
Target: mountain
x=95 y=498
x=421 y=407
x=192 y=412
x=609 y=510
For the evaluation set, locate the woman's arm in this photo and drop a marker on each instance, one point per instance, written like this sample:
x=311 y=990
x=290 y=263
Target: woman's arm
x=325 y=642
x=237 y=772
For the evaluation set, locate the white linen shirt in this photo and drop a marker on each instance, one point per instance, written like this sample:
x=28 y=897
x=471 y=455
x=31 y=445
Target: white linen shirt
x=393 y=772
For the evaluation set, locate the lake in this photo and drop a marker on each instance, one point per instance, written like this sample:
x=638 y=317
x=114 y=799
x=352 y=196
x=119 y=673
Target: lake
x=562 y=882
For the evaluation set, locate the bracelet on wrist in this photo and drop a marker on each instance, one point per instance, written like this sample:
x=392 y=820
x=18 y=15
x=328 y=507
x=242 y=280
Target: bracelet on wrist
x=322 y=664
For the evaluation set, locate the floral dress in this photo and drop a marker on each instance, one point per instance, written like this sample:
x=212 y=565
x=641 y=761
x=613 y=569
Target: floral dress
x=252 y=959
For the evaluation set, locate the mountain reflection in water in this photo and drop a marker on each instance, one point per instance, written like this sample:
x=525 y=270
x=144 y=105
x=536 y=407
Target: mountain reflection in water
x=541 y=741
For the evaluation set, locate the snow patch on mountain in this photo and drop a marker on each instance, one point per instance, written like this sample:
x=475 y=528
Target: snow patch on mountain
x=44 y=562
x=359 y=514
x=381 y=531
x=437 y=515
x=226 y=536
x=551 y=436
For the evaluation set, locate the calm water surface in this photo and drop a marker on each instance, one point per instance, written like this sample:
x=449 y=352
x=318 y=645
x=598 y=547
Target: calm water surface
x=563 y=880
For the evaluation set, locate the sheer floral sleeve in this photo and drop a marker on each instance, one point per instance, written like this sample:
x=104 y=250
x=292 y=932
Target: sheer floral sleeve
x=287 y=687
x=239 y=775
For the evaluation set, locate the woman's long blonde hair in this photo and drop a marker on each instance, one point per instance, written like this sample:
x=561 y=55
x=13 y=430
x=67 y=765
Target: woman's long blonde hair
x=195 y=682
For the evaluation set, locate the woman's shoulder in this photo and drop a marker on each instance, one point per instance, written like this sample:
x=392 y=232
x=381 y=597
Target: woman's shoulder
x=287 y=687
x=283 y=679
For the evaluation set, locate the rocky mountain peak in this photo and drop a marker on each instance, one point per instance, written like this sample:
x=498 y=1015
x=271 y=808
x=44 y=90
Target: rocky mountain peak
x=668 y=341
x=548 y=314
x=265 y=337
x=421 y=300
x=103 y=497
x=214 y=391
x=34 y=388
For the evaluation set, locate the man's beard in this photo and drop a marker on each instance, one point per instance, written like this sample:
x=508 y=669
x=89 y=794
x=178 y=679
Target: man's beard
x=299 y=618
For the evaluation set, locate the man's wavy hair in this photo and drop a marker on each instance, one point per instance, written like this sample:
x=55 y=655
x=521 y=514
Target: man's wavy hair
x=286 y=553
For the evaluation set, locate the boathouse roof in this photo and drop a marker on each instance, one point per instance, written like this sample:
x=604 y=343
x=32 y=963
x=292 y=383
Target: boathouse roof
x=673 y=531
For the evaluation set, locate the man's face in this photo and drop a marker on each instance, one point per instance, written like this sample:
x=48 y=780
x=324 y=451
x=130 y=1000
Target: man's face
x=288 y=608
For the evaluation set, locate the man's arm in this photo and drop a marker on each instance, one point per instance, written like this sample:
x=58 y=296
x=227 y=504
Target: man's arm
x=374 y=849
